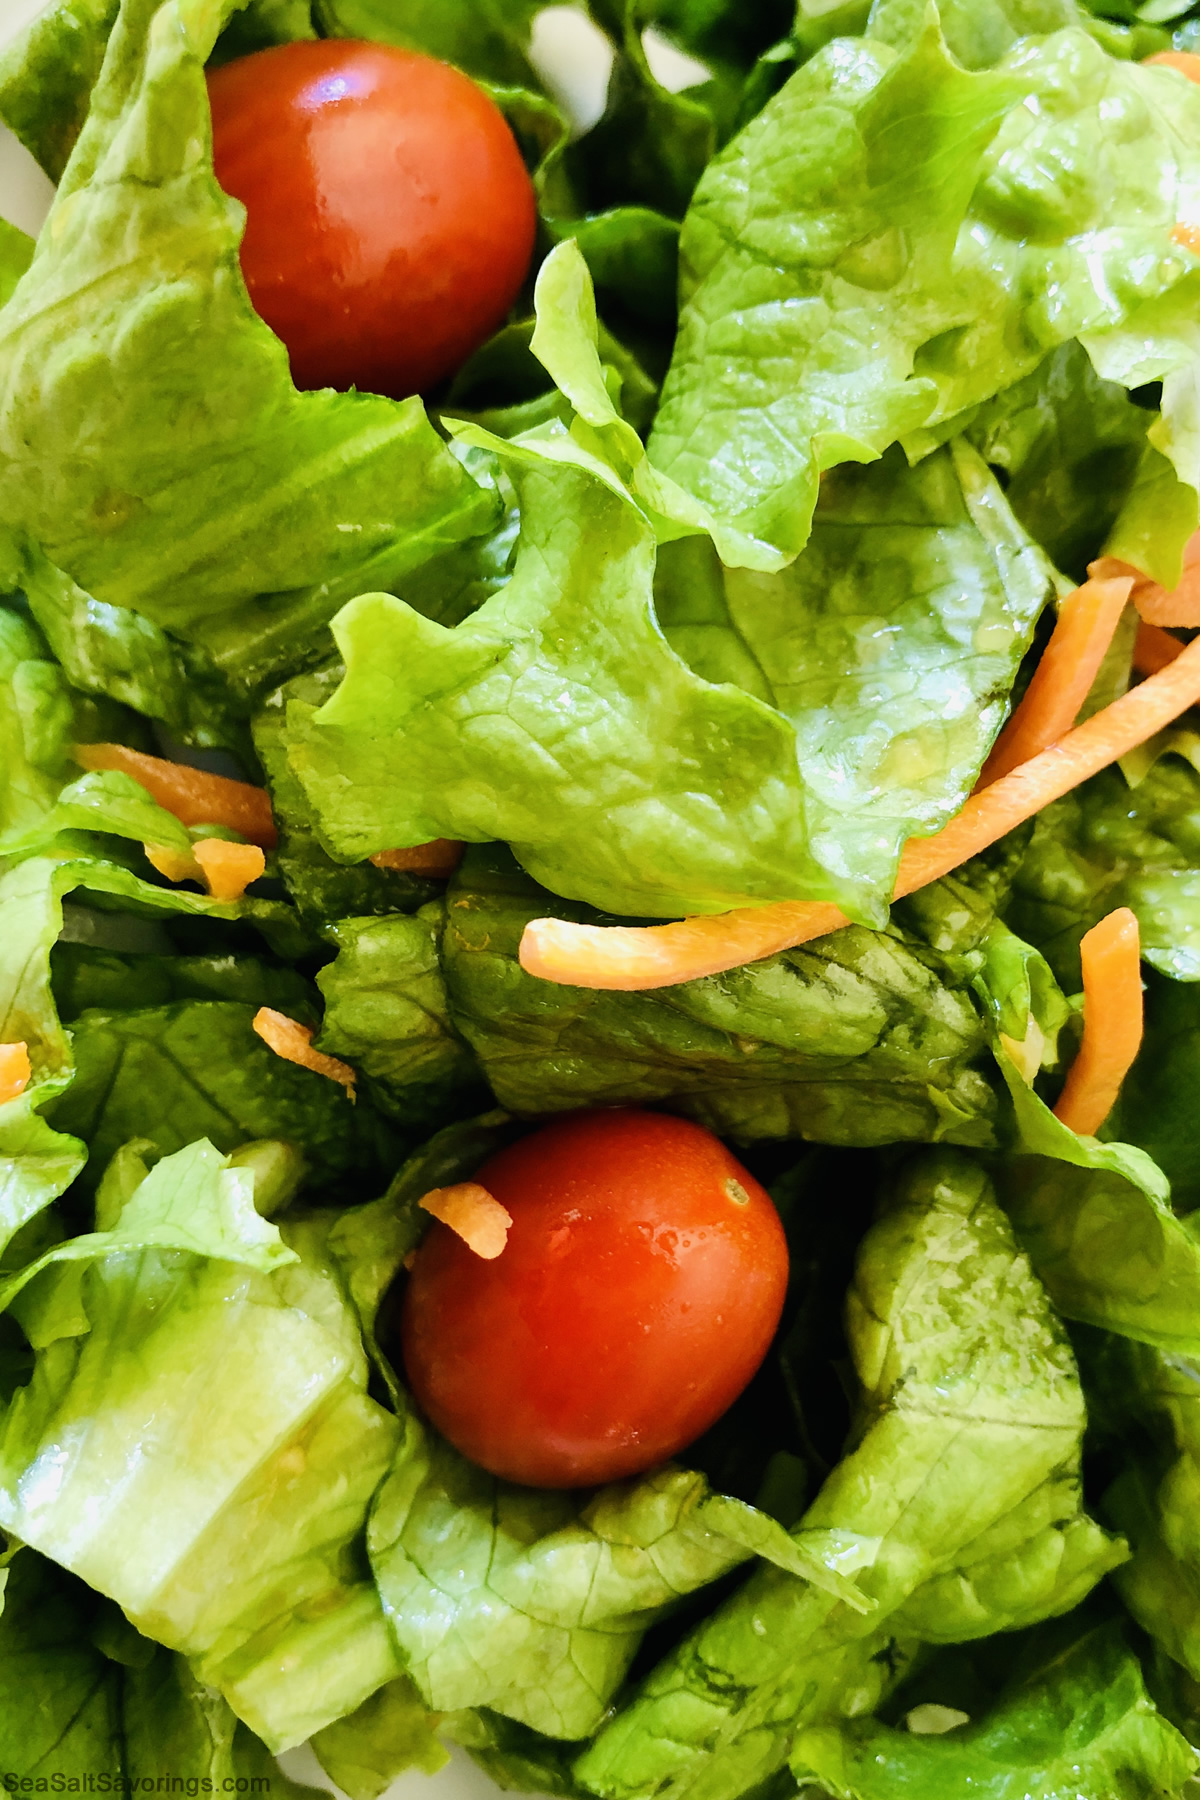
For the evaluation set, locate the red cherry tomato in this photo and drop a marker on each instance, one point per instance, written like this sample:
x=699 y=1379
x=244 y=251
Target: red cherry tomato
x=639 y=1290
x=390 y=218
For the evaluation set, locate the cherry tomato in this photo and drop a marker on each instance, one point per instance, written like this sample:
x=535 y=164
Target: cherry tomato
x=390 y=218
x=639 y=1290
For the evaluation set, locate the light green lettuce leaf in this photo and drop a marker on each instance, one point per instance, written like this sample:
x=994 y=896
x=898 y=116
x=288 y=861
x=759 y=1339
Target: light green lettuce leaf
x=16 y=254
x=543 y=720
x=388 y=1734
x=37 y=1164
x=245 y=488
x=107 y=802
x=1078 y=1726
x=843 y=289
x=1157 y=517
x=860 y=1038
x=532 y=1603
x=970 y=1405
x=233 y=1534
x=386 y=1012
x=320 y=888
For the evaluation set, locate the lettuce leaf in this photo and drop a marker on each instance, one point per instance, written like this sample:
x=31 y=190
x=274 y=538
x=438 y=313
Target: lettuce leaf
x=345 y=487
x=861 y=1038
x=47 y=73
x=868 y=725
x=487 y=38
x=231 y=1536
x=1108 y=844
x=856 y=290
x=1155 y=1107
x=970 y=1407
x=1077 y=1726
x=386 y=1011
x=389 y=1733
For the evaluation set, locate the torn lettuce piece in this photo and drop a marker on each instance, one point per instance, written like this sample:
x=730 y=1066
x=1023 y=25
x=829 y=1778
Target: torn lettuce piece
x=16 y=254
x=1110 y=844
x=386 y=1012
x=1077 y=1725
x=543 y=720
x=390 y=1733
x=1070 y=448
x=861 y=1038
x=84 y=1698
x=197 y=1068
x=107 y=802
x=84 y=976
x=891 y=646
x=47 y=73
x=348 y=488
x=970 y=1404
x=1155 y=1108
x=320 y=888
x=852 y=291
x=237 y=1545
x=532 y=1603
x=37 y=1164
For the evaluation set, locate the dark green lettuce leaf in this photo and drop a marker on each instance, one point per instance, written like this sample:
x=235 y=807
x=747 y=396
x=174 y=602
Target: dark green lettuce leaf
x=1156 y=1107
x=866 y=284
x=234 y=1534
x=487 y=38
x=1108 y=844
x=196 y=1068
x=858 y=1039
x=970 y=1409
x=386 y=1012
x=1078 y=1725
x=84 y=976
x=1069 y=446
x=47 y=74
x=188 y=508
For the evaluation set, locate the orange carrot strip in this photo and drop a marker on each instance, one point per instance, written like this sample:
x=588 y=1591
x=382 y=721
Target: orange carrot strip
x=228 y=869
x=475 y=1215
x=1188 y=237
x=633 y=957
x=1186 y=61
x=176 y=865
x=440 y=857
x=293 y=1041
x=14 y=1071
x=225 y=869
x=1154 y=648
x=1063 y=678
x=193 y=795
x=1112 y=1022
x=1178 y=605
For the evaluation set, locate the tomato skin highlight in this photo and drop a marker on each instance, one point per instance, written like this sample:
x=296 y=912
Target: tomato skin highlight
x=390 y=218
x=640 y=1288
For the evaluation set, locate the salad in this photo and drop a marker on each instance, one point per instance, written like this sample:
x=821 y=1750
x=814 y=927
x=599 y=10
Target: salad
x=600 y=901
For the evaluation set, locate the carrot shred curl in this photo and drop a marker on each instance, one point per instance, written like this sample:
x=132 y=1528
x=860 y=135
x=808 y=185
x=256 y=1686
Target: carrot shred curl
x=438 y=858
x=193 y=795
x=1087 y=621
x=15 y=1071
x=225 y=870
x=476 y=1216
x=293 y=1041
x=1186 y=61
x=1154 y=649
x=1112 y=1022
x=636 y=957
x=1159 y=605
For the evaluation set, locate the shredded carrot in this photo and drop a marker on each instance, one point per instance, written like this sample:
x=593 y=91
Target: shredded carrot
x=440 y=857
x=634 y=957
x=228 y=869
x=193 y=795
x=1062 y=680
x=293 y=1041
x=1188 y=237
x=1112 y=1022
x=14 y=1071
x=475 y=1215
x=1154 y=648
x=225 y=870
x=1186 y=61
